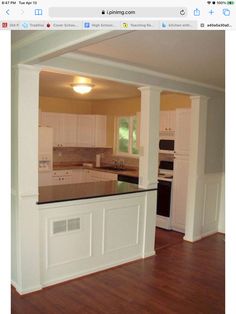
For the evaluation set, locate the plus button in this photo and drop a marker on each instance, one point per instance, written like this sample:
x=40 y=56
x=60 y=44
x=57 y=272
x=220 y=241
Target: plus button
x=211 y=12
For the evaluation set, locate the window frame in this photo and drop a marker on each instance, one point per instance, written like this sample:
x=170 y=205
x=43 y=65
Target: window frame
x=129 y=153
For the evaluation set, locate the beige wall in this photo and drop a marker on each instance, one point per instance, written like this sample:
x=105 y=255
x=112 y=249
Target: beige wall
x=174 y=101
x=215 y=136
x=64 y=105
x=116 y=107
x=110 y=107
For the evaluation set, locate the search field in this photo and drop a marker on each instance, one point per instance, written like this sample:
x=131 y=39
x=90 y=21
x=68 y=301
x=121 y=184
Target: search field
x=73 y=12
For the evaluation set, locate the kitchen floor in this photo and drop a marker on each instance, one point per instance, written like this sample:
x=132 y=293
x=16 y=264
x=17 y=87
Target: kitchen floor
x=181 y=278
x=165 y=238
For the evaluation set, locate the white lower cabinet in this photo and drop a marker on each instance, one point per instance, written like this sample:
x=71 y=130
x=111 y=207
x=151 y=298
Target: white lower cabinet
x=78 y=175
x=74 y=176
x=61 y=177
x=45 y=178
x=96 y=176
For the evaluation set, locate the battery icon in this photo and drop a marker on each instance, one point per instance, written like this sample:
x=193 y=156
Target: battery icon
x=230 y=2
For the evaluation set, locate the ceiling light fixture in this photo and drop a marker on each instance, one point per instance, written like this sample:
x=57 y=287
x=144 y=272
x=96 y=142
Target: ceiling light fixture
x=82 y=88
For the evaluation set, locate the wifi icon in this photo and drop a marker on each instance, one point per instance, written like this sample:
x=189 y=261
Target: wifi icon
x=208 y=2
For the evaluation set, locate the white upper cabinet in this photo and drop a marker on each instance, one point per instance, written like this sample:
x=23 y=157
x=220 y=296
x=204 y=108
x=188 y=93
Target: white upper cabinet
x=172 y=120
x=71 y=130
x=182 y=134
x=55 y=121
x=85 y=130
x=91 y=131
x=167 y=122
x=100 y=131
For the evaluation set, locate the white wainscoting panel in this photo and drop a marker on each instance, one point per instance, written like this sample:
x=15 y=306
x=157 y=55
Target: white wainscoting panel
x=108 y=233
x=121 y=227
x=69 y=246
x=211 y=202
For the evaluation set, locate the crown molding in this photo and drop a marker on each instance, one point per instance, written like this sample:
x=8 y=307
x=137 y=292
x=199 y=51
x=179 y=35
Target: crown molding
x=115 y=64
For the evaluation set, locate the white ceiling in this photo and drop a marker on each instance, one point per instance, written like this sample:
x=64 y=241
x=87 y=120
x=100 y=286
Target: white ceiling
x=195 y=55
x=59 y=85
x=20 y=35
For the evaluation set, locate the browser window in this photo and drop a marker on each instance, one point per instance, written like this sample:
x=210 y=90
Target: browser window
x=84 y=59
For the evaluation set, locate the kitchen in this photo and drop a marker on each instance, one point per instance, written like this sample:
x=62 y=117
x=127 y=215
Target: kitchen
x=79 y=156
x=110 y=230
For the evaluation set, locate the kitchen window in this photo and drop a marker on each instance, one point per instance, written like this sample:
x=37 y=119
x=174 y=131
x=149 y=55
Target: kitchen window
x=126 y=136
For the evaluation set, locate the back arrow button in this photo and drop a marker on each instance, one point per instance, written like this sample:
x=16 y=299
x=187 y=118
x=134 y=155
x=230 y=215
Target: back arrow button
x=8 y=12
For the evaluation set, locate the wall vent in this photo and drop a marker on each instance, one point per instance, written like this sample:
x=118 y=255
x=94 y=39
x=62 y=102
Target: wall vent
x=65 y=225
x=73 y=224
x=59 y=226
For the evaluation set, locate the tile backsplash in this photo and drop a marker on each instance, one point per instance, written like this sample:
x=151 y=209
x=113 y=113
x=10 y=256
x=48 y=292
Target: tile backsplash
x=80 y=155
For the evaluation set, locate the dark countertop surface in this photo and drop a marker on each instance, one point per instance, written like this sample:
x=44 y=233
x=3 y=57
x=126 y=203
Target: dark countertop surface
x=69 y=192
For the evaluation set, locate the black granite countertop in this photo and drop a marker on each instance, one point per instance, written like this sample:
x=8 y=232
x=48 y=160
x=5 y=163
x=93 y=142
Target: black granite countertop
x=69 y=192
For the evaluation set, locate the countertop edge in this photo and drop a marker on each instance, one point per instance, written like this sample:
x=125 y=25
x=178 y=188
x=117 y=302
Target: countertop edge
x=94 y=197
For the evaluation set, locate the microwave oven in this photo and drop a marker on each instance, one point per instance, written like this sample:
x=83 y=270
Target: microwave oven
x=166 y=146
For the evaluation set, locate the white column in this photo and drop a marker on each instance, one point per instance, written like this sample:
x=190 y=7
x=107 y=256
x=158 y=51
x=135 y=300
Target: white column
x=196 y=168
x=149 y=136
x=148 y=161
x=25 y=222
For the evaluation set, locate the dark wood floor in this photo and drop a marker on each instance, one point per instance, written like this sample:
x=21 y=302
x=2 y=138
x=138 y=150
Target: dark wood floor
x=181 y=278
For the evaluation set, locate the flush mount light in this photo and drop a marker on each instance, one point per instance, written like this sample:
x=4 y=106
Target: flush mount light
x=82 y=88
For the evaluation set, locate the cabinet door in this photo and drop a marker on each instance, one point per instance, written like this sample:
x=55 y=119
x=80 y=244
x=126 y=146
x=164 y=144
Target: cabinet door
x=164 y=121
x=98 y=176
x=45 y=178
x=85 y=130
x=100 y=131
x=182 y=132
x=172 y=119
x=179 y=196
x=56 y=121
x=70 y=130
x=78 y=176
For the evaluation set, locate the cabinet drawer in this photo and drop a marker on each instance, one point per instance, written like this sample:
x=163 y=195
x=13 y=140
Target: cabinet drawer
x=58 y=173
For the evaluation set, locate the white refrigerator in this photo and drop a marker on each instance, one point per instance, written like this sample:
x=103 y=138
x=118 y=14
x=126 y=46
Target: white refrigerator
x=181 y=169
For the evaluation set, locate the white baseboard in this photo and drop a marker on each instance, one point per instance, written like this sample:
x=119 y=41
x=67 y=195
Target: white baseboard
x=178 y=229
x=194 y=239
x=163 y=222
x=25 y=291
x=202 y=236
x=149 y=254
x=207 y=234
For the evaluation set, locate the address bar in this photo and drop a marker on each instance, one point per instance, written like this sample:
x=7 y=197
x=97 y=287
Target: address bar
x=78 y=12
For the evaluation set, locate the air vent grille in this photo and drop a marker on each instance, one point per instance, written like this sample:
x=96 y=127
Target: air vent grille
x=65 y=225
x=73 y=224
x=59 y=226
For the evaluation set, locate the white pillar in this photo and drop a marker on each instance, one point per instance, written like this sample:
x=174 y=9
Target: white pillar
x=196 y=168
x=148 y=161
x=25 y=222
x=149 y=136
